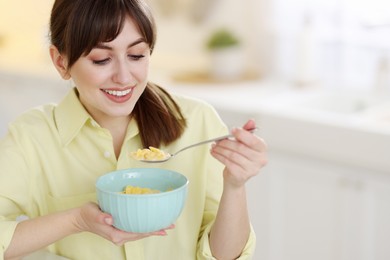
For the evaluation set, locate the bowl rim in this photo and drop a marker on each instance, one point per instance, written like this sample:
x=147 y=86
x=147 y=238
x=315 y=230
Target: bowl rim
x=118 y=193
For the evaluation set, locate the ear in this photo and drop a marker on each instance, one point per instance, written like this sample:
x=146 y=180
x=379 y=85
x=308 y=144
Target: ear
x=59 y=62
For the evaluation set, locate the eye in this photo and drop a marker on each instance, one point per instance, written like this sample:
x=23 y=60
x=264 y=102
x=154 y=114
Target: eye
x=136 y=57
x=101 y=62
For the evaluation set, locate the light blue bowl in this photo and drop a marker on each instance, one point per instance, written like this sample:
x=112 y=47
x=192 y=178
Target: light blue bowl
x=142 y=213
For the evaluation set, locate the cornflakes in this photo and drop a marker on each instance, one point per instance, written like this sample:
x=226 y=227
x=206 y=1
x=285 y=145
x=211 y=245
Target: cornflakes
x=151 y=154
x=129 y=189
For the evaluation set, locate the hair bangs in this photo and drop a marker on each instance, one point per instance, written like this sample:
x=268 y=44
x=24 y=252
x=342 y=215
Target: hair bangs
x=78 y=26
x=102 y=22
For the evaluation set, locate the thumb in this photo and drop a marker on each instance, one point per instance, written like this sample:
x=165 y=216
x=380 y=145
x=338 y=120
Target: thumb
x=108 y=220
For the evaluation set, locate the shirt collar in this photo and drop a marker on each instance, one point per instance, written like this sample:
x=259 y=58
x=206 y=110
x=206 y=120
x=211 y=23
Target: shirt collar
x=132 y=130
x=70 y=116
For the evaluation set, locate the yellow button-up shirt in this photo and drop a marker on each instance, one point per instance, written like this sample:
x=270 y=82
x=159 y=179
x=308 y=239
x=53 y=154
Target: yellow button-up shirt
x=52 y=155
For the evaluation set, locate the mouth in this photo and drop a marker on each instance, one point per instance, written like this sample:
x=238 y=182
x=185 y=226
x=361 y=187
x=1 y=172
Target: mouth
x=118 y=95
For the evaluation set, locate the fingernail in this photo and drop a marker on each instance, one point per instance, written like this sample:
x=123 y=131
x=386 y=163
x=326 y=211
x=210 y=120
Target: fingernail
x=162 y=233
x=108 y=221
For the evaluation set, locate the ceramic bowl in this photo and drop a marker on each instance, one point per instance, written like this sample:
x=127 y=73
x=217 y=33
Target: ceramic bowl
x=142 y=213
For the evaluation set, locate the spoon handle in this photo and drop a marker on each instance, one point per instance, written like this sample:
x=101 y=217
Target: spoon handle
x=211 y=140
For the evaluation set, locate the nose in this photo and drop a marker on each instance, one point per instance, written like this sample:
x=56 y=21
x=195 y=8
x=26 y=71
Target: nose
x=122 y=74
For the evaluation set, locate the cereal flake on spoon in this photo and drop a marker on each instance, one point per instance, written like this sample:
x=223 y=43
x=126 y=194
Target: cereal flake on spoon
x=151 y=154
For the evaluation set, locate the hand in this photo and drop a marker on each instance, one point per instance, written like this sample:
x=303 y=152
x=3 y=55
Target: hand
x=92 y=219
x=243 y=156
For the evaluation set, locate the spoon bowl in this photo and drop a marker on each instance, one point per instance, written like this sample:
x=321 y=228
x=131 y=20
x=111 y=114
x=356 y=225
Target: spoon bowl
x=168 y=156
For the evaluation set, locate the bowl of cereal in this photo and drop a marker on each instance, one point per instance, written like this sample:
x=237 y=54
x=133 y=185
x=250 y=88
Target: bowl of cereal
x=142 y=200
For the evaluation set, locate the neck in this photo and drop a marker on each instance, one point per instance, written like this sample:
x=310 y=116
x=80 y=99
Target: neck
x=117 y=128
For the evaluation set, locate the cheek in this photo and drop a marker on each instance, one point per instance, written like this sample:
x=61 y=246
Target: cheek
x=84 y=77
x=140 y=68
x=141 y=71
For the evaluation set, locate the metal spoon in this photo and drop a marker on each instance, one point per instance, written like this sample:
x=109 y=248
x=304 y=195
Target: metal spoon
x=170 y=155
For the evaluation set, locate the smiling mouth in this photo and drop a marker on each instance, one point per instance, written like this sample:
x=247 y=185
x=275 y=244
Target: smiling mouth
x=118 y=93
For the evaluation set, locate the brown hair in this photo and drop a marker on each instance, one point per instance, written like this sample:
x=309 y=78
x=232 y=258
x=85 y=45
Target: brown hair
x=77 y=26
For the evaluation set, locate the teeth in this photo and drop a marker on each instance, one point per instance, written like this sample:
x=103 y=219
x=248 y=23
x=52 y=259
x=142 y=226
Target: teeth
x=118 y=93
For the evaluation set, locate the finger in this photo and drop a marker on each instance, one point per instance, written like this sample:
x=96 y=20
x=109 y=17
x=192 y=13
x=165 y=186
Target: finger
x=227 y=153
x=250 y=124
x=161 y=232
x=105 y=218
x=230 y=151
x=249 y=139
x=228 y=148
x=119 y=237
x=108 y=220
x=172 y=226
x=158 y=233
x=164 y=230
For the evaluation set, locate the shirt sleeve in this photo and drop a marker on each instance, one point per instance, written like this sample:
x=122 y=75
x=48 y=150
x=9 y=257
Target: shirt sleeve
x=7 y=229
x=213 y=197
x=214 y=192
x=204 y=252
x=14 y=189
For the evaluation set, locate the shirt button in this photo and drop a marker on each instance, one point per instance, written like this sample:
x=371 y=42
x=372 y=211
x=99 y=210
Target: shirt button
x=107 y=154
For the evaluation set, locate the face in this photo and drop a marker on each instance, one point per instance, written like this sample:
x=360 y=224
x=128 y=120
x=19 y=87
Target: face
x=112 y=77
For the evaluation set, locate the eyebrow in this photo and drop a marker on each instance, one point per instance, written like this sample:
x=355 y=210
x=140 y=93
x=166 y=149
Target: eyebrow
x=105 y=47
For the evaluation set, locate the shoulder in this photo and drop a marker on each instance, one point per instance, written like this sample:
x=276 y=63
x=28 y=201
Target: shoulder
x=30 y=131
x=35 y=120
x=191 y=104
x=200 y=114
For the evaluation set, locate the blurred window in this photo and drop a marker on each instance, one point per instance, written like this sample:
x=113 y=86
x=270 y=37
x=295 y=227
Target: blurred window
x=350 y=38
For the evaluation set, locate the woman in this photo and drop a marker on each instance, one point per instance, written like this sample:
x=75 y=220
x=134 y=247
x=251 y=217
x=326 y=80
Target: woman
x=52 y=156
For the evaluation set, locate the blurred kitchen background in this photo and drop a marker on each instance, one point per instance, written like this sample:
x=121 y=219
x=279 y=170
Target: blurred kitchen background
x=314 y=74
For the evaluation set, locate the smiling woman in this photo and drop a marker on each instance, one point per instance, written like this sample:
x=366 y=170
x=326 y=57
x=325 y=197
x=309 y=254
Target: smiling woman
x=104 y=47
x=112 y=76
x=114 y=47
